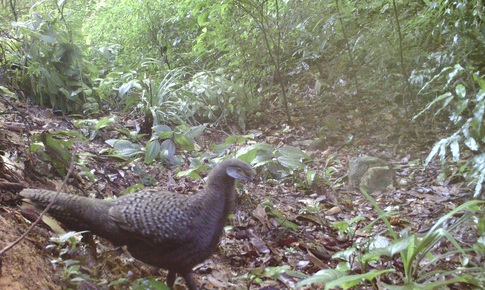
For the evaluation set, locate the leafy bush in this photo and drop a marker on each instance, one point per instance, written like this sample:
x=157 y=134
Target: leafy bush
x=55 y=71
x=464 y=102
x=417 y=253
x=216 y=99
x=65 y=245
x=156 y=149
x=163 y=30
x=165 y=104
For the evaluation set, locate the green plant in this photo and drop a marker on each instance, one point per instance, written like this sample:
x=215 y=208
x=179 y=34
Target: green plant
x=466 y=110
x=417 y=253
x=65 y=245
x=284 y=163
x=279 y=216
x=332 y=168
x=55 y=71
x=55 y=151
x=91 y=127
x=287 y=162
x=219 y=99
x=161 y=146
x=162 y=30
x=148 y=284
x=280 y=273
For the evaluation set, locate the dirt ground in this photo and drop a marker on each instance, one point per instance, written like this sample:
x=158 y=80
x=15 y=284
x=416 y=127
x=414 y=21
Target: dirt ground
x=26 y=265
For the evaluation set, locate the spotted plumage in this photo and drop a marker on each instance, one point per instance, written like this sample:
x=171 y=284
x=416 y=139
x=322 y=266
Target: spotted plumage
x=164 y=229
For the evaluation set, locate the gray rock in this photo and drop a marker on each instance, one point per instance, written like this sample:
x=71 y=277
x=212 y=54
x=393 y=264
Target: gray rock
x=370 y=173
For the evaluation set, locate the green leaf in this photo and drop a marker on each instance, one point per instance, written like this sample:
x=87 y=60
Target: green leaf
x=132 y=188
x=153 y=150
x=193 y=172
x=291 y=163
x=7 y=92
x=238 y=139
x=104 y=122
x=184 y=142
x=334 y=278
x=58 y=152
x=322 y=277
x=279 y=272
x=310 y=177
x=127 y=86
x=149 y=284
x=124 y=147
x=262 y=159
x=394 y=248
x=165 y=135
x=195 y=131
x=345 y=254
x=460 y=91
x=294 y=152
x=159 y=129
x=455 y=150
x=247 y=154
x=446 y=96
x=168 y=148
x=280 y=218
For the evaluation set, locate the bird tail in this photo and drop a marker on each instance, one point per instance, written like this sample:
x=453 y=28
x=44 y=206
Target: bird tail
x=75 y=212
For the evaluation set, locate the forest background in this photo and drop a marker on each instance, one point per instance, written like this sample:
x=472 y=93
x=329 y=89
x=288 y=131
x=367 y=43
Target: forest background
x=296 y=88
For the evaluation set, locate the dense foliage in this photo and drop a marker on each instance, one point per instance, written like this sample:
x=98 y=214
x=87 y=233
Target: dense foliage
x=181 y=67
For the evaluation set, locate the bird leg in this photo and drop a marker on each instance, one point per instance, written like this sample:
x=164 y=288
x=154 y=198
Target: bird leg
x=189 y=281
x=170 y=279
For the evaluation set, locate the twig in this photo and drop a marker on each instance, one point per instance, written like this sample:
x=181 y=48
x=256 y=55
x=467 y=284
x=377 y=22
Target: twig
x=71 y=167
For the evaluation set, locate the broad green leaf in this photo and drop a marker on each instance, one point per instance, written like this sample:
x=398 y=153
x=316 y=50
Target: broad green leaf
x=294 y=152
x=390 y=250
x=58 y=152
x=247 y=154
x=165 y=135
x=184 y=142
x=153 y=149
x=220 y=149
x=193 y=172
x=8 y=93
x=310 y=177
x=238 y=139
x=124 y=148
x=195 y=131
x=167 y=148
x=262 y=159
x=460 y=91
x=322 y=277
x=159 y=129
x=349 y=281
x=148 y=284
x=104 y=122
x=127 y=86
x=291 y=163
x=345 y=254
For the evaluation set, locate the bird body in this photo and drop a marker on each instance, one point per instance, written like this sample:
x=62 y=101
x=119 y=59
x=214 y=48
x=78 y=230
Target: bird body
x=163 y=229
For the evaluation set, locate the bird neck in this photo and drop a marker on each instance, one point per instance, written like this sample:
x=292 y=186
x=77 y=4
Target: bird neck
x=221 y=194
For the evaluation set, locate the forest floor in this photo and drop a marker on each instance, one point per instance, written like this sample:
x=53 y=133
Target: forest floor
x=259 y=241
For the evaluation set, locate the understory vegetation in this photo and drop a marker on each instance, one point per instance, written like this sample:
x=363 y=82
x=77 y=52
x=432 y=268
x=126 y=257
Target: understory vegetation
x=286 y=86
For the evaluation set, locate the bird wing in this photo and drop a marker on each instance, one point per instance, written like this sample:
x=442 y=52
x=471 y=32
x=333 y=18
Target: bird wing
x=160 y=217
